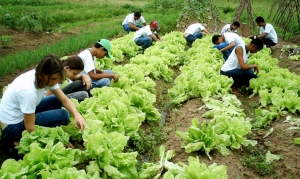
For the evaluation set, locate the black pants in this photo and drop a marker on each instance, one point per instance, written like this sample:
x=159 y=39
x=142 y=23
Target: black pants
x=75 y=86
x=268 y=42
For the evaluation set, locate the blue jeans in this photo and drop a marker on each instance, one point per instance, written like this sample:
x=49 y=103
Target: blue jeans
x=145 y=42
x=128 y=29
x=226 y=53
x=103 y=81
x=48 y=114
x=191 y=38
x=240 y=77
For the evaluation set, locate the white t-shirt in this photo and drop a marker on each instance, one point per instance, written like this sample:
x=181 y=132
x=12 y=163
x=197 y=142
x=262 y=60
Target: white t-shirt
x=142 y=32
x=233 y=37
x=225 y=29
x=196 y=27
x=271 y=32
x=88 y=62
x=20 y=97
x=232 y=61
x=130 y=19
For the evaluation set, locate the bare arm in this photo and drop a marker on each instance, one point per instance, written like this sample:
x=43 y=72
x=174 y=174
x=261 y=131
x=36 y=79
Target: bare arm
x=206 y=31
x=85 y=80
x=102 y=74
x=29 y=122
x=155 y=37
x=67 y=103
x=132 y=26
x=231 y=45
x=258 y=36
x=239 y=54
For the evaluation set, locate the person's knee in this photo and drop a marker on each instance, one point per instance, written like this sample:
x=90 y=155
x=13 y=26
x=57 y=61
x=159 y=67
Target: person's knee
x=106 y=82
x=148 y=40
x=65 y=117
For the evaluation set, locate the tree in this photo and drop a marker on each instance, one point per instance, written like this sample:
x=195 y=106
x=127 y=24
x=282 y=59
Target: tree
x=287 y=11
x=240 y=10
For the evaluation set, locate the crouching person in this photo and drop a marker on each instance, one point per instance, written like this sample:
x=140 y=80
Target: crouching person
x=236 y=66
x=23 y=106
x=144 y=36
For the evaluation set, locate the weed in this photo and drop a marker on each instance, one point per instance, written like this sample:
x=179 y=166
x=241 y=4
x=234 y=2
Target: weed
x=6 y=40
x=228 y=9
x=145 y=141
x=255 y=159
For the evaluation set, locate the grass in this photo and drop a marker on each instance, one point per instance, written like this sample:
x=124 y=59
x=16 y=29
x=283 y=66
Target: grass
x=259 y=8
x=76 y=15
x=255 y=159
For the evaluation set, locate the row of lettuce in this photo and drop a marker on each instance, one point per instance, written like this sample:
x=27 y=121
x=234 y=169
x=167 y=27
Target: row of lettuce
x=114 y=114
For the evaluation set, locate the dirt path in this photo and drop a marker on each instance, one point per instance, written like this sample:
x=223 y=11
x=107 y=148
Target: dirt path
x=279 y=142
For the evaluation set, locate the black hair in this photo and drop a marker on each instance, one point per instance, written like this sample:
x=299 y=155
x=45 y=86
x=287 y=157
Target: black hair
x=98 y=45
x=49 y=64
x=215 y=38
x=259 y=44
x=236 y=23
x=74 y=63
x=259 y=19
x=137 y=14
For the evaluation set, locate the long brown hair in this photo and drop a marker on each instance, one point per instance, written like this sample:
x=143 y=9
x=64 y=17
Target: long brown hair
x=50 y=64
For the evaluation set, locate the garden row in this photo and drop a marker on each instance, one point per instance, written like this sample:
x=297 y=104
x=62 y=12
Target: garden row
x=114 y=114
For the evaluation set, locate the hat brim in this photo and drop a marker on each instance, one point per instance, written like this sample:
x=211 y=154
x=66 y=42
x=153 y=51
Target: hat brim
x=108 y=55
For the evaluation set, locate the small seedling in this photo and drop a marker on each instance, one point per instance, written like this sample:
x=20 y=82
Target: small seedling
x=6 y=40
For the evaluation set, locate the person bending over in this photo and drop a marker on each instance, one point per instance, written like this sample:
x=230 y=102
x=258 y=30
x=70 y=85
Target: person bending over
x=77 y=89
x=226 y=42
x=230 y=27
x=194 y=32
x=236 y=66
x=23 y=106
x=144 y=36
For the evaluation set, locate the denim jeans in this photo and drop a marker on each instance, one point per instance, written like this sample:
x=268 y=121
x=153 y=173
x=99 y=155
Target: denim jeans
x=103 y=81
x=127 y=28
x=226 y=53
x=191 y=38
x=240 y=77
x=48 y=113
x=145 y=42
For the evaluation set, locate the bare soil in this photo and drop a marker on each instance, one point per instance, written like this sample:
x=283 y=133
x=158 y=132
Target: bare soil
x=279 y=142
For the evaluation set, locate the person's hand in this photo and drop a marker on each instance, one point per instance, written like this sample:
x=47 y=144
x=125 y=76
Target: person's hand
x=220 y=51
x=86 y=81
x=79 y=122
x=115 y=77
x=256 y=69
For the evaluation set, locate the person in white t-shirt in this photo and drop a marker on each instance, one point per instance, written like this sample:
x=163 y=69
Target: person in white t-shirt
x=193 y=32
x=267 y=33
x=236 y=66
x=230 y=27
x=226 y=42
x=131 y=22
x=23 y=106
x=78 y=89
x=99 y=78
x=144 y=36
